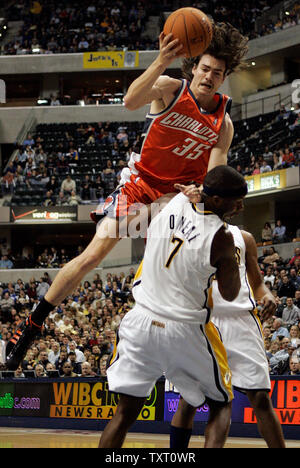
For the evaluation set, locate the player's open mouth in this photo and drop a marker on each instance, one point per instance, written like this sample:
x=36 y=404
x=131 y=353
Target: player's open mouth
x=205 y=85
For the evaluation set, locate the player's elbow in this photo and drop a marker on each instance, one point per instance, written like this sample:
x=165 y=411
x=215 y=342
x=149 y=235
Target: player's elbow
x=130 y=103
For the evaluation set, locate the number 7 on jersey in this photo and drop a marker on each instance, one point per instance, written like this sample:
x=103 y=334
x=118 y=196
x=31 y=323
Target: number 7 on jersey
x=178 y=244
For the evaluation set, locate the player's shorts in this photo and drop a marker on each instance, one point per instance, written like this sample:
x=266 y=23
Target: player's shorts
x=242 y=337
x=190 y=355
x=132 y=193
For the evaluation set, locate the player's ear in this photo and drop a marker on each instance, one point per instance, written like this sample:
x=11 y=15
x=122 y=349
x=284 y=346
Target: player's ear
x=195 y=64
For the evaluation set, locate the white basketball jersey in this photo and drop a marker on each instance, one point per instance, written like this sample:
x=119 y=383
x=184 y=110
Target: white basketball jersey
x=245 y=300
x=175 y=276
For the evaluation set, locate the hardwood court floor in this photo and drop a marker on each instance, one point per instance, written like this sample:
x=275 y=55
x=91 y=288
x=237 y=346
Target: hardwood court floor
x=44 y=438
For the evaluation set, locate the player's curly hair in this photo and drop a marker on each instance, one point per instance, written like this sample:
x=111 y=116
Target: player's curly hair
x=227 y=44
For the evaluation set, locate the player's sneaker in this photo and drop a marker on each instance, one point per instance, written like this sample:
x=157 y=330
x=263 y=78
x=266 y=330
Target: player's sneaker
x=96 y=216
x=17 y=346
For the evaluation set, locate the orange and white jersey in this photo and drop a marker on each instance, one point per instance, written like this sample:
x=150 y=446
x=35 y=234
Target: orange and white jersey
x=178 y=141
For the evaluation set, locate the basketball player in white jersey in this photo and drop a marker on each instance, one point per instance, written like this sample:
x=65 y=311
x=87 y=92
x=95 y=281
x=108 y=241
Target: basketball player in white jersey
x=241 y=333
x=169 y=330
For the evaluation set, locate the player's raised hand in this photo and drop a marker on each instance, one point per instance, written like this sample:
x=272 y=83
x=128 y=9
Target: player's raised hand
x=169 y=49
x=190 y=191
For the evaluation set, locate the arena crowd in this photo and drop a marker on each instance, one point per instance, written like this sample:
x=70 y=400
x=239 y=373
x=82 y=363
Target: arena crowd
x=79 y=335
x=89 y=26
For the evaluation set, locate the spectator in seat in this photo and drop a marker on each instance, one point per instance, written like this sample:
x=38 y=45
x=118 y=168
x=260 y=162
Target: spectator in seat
x=297 y=266
x=279 y=329
x=294 y=278
x=265 y=167
x=85 y=191
x=54 y=101
x=54 y=354
x=268 y=155
x=269 y=276
x=49 y=200
x=74 y=199
x=291 y=314
x=42 y=288
x=8 y=182
x=61 y=199
x=52 y=185
x=294 y=366
x=279 y=233
x=277 y=162
x=295 y=256
x=297 y=298
x=266 y=233
x=29 y=141
x=68 y=185
x=295 y=334
x=67 y=370
x=6 y=263
x=43 y=359
x=256 y=168
x=286 y=288
x=288 y=159
x=79 y=354
x=86 y=370
x=76 y=366
x=271 y=257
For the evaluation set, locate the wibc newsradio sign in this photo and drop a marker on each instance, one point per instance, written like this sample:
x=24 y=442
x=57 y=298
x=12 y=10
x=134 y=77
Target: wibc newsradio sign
x=285 y=395
x=71 y=398
x=91 y=400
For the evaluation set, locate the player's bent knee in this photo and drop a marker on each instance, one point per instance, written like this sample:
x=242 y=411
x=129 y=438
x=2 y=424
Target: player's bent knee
x=260 y=400
x=185 y=408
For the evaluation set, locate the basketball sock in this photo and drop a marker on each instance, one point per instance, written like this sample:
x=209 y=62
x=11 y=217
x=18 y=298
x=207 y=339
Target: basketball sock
x=179 y=437
x=41 y=312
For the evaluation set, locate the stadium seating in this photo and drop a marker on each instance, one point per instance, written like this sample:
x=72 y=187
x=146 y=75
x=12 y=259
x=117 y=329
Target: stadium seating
x=87 y=152
x=89 y=26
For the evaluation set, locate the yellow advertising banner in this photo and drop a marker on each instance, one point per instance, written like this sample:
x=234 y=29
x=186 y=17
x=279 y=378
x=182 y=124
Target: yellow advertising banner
x=95 y=412
x=111 y=59
x=267 y=181
x=92 y=400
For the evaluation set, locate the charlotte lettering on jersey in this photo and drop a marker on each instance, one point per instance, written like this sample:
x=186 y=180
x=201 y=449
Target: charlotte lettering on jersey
x=191 y=126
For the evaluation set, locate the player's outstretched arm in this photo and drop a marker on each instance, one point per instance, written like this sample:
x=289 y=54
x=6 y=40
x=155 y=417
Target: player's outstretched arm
x=150 y=85
x=261 y=293
x=224 y=259
x=218 y=155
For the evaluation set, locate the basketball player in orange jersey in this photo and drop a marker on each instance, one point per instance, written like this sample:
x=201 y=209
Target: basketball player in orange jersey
x=188 y=133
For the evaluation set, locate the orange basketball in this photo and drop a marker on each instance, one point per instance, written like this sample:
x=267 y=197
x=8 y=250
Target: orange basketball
x=193 y=29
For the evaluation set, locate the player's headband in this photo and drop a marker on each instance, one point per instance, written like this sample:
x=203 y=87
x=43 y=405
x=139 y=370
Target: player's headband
x=226 y=193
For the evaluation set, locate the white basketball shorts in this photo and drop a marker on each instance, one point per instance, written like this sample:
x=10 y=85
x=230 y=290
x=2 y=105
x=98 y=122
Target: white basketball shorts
x=190 y=355
x=242 y=337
